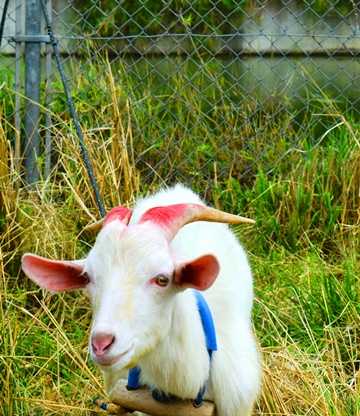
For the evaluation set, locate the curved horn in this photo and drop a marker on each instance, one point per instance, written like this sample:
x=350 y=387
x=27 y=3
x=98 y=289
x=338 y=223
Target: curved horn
x=118 y=213
x=93 y=227
x=172 y=217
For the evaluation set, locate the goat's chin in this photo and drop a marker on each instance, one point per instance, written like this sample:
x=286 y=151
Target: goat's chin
x=117 y=362
x=127 y=359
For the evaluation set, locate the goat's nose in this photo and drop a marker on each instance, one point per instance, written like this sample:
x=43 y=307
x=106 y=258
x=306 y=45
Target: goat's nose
x=101 y=342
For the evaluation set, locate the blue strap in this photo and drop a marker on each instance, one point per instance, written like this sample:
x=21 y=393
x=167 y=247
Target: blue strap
x=133 y=382
x=210 y=337
x=199 y=399
x=211 y=345
x=207 y=322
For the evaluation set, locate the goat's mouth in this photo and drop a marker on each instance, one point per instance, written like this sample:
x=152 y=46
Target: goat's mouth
x=118 y=360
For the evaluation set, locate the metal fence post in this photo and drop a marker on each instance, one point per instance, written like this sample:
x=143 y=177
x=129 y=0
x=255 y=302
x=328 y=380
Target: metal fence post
x=48 y=98
x=32 y=89
x=18 y=52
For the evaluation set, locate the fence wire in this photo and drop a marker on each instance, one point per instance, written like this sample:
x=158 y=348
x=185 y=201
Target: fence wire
x=214 y=90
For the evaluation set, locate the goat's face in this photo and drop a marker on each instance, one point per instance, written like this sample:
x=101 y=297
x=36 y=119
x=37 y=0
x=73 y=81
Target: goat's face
x=132 y=278
x=131 y=286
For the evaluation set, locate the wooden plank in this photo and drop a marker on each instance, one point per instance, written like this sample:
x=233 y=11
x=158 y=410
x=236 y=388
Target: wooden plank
x=142 y=401
x=111 y=408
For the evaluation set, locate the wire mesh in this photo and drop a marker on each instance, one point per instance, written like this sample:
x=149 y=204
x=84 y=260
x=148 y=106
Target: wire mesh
x=208 y=82
x=8 y=49
x=10 y=70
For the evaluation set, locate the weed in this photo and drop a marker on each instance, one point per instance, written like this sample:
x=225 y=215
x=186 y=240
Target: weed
x=299 y=180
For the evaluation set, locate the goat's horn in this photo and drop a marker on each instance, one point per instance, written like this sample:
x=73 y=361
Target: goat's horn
x=172 y=217
x=94 y=227
x=118 y=213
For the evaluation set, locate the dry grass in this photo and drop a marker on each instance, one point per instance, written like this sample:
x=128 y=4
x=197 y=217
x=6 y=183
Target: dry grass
x=304 y=250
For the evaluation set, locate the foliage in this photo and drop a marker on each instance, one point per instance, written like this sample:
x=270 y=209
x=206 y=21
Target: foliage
x=150 y=17
x=153 y=17
x=303 y=192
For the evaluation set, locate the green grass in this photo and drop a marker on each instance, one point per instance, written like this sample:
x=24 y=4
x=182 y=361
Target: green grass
x=200 y=16
x=299 y=180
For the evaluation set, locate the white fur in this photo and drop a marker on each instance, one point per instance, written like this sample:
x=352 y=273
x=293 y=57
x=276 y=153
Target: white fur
x=172 y=355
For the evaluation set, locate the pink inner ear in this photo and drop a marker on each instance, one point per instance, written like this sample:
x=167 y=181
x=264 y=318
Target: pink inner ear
x=199 y=274
x=53 y=274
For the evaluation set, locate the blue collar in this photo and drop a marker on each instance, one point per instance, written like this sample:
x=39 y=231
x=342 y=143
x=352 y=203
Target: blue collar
x=207 y=322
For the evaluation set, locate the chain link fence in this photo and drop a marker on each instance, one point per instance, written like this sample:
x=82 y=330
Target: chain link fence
x=213 y=91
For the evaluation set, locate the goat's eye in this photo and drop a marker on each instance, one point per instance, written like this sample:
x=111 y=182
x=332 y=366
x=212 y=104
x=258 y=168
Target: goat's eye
x=161 y=280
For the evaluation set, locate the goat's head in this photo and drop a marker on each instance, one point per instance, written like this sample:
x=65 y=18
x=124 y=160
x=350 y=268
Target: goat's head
x=132 y=277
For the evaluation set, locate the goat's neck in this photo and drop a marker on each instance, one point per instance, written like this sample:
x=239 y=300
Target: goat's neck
x=179 y=365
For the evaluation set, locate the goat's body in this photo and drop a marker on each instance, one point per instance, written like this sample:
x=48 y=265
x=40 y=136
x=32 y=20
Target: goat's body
x=180 y=364
x=139 y=277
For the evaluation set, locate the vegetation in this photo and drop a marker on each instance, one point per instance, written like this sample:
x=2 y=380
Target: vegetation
x=151 y=17
x=299 y=177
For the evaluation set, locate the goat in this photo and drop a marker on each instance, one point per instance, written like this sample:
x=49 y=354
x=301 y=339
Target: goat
x=140 y=276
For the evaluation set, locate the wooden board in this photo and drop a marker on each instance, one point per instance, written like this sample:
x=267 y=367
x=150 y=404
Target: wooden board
x=142 y=401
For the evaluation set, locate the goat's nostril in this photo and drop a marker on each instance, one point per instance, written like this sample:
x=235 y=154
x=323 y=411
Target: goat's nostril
x=101 y=342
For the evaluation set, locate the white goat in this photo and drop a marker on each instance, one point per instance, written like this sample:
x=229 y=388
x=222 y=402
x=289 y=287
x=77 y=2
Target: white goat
x=137 y=276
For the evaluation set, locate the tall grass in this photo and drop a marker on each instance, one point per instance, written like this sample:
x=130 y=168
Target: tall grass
x=299 y=179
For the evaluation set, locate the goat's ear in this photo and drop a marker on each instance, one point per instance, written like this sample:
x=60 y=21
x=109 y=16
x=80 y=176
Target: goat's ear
x=54 y=275
x=199 y=274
